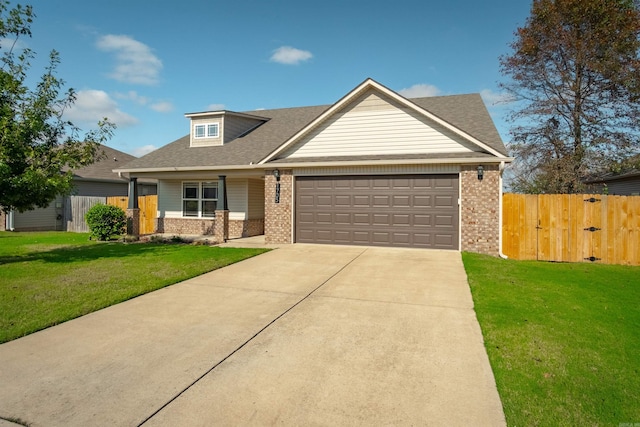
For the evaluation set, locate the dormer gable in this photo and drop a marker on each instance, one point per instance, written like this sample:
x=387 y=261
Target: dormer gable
x=215 y=128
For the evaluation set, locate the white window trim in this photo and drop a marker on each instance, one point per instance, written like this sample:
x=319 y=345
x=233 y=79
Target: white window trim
x=206 y=127
x=200 y=199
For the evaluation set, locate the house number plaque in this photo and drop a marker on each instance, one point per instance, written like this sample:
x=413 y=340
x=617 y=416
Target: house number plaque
x=277 y=192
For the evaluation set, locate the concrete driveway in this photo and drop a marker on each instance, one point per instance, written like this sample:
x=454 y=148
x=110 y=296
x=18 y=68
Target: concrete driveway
x=302 y=335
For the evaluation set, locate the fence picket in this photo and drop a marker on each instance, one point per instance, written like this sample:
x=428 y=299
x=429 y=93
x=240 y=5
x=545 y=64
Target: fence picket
x=148 y=206
x=572 y=228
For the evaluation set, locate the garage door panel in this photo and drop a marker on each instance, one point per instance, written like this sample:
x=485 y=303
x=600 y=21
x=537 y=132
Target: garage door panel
x=342 y=218
x=323 y=236
x=422 y=220
x=323 y=218
x=445 y=202
x=361 y=237
x=380 y=237
x=443 y=241
x=323 y=201
x=408 y=210
x=342 y=236
x=424 y=201
x=422 y=239
x=446 y=183
x=362 y=219
x=401 y=219
x=444 y=221
x=381 y=219
x=381 y=201
x=362 y=201
x=381 y=184
x=401 y=201
x=401 y=239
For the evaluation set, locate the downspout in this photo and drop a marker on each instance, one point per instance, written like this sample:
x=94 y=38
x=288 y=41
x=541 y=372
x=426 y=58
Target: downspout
x=502 y=255
x=9 y=224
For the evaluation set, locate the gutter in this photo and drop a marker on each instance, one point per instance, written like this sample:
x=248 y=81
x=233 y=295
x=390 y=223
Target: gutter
x=303 y=164
x=500 y=253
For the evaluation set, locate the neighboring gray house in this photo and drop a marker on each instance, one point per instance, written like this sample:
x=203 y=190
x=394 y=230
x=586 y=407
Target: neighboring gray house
x=97 y=180
x=622 y=184
x=375 y=168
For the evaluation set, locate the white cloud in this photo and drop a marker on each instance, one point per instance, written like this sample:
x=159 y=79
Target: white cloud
x=420 y=91
x=215 y=107
x=135 y=64
x=162 y=107
x=141 y=151
x=94 y=105
x=132 y=95
x=494 y=98
x=290 y=55
x=7 y=44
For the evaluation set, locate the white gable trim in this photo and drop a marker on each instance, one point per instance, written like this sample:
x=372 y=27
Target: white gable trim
x=366 y=85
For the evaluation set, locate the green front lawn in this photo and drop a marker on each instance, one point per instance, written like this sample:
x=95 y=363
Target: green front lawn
x=48 y=278
x=563 y=339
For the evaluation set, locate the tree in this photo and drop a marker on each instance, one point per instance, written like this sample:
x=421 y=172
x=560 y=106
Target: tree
x=38 y=149
x=574 y=74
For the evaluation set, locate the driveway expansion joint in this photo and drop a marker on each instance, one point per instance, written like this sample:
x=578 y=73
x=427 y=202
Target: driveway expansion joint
x=244 y=344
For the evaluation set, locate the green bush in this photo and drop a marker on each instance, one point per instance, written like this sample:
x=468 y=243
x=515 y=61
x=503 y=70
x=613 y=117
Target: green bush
x=105 y=221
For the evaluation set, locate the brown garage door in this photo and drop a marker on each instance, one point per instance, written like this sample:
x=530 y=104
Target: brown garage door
x=399 y=210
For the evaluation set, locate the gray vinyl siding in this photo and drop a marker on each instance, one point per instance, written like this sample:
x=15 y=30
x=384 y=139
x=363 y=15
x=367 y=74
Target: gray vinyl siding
x=100 y=188
x=235 y=126
x=147 y=189
x=169 y=199
x=237 y=198
x=375 y=125
x=256 y=199
x=624 y=187
x=43 y=219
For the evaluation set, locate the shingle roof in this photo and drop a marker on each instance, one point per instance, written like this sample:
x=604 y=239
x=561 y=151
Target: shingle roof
x=467 y=112
x=102 y=170
x=250 y=148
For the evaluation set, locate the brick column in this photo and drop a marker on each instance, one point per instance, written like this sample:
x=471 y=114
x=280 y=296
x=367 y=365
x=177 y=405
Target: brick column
x=480 y=210
x=221 y=227
x=133 y=222
x=278 y=213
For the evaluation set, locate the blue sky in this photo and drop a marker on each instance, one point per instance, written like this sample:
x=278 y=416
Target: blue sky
x=145 y=63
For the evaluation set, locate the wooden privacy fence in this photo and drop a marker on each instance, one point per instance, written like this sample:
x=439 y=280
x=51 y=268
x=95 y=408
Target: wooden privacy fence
x=572 y=228
x=75 y=208
x=148 y=210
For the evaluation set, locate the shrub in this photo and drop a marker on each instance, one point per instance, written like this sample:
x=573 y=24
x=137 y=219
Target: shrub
x=105 y=221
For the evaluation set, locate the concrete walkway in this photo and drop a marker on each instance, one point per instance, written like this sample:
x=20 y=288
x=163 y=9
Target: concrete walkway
x=302 y=335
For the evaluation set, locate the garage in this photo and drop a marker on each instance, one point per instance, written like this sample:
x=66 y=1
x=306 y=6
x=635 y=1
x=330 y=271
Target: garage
x=378 y=210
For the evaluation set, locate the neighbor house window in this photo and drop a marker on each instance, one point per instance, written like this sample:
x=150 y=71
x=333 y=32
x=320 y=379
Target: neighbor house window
x=211 y=130
x=199 y=199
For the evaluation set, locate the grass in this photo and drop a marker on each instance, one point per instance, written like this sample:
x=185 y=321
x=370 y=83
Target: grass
x=49 y=278
x=563 y=339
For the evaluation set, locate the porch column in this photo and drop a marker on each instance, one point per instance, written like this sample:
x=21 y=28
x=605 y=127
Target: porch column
x=133 y=193
x=221 y=228
x=133 y=211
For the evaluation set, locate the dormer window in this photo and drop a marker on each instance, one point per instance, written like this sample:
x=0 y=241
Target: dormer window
x=210 y=130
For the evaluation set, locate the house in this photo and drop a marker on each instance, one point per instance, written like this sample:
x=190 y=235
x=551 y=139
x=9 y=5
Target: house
x=374 y=168
x=96 y=180
x=620 y=184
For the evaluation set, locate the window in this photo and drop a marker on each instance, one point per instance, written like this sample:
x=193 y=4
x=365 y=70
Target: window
x=199 y=199
x=211 y=130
